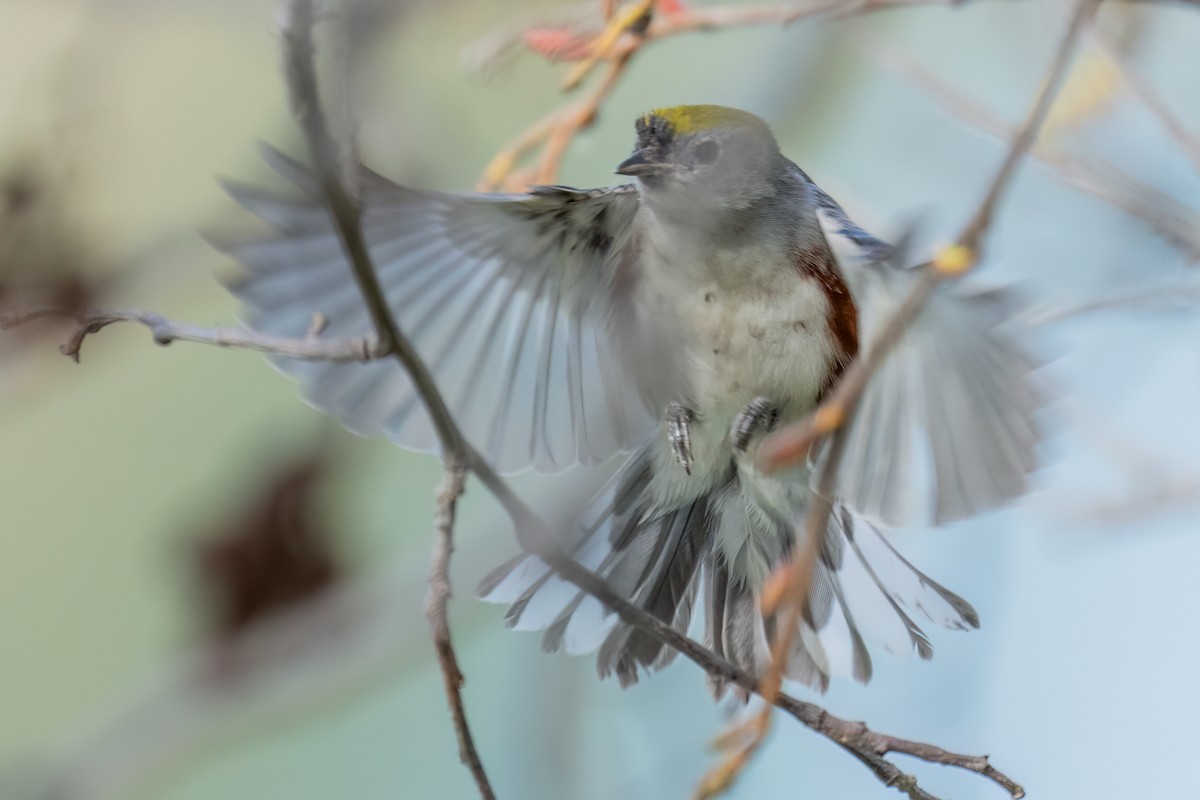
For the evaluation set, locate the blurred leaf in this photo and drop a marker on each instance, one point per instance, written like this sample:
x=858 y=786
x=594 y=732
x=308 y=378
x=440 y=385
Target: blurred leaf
x=274 y=555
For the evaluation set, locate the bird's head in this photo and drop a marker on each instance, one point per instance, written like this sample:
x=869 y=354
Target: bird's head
x=708 y=156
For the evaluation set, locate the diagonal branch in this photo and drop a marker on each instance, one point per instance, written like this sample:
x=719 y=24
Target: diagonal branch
x=346 y=213
x=789 y=446
x=972 y=236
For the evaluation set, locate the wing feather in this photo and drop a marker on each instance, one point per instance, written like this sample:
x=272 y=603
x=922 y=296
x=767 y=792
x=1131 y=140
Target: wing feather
x=947 y=427
x=507 y=297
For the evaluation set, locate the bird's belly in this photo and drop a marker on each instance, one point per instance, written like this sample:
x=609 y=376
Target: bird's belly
x=715 y=346
x=769 y=341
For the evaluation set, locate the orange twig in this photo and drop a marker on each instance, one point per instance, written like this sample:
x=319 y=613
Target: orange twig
x=553 y=133
x=617 y=44
x=637 y=15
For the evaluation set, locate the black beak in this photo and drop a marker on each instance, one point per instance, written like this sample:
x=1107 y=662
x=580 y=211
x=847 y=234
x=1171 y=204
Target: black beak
x=641 y=163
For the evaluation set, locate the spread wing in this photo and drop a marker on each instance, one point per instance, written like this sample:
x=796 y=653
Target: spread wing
x=506 y=297
x=947 y=427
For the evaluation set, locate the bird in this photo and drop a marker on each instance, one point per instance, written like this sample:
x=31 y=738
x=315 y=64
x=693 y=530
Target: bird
x=673 y=322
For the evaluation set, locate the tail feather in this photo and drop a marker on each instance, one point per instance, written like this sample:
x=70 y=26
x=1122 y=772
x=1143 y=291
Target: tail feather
x=681 y=623
x=898 y=579
x=650 y=556
x=862 y=589
x=665 y=590
x=744 y=633
x=809 y=663
x=716 y=581
x=860 y=659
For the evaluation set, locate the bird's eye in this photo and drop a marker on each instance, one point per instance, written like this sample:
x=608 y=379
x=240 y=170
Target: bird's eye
x=707 y=151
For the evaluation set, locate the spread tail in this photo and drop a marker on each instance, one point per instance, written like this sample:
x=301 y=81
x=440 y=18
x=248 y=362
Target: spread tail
x=662 y=560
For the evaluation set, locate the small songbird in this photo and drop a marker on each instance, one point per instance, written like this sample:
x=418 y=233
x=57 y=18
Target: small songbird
x=679 y=318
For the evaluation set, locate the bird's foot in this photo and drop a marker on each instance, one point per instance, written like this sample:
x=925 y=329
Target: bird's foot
x=679 y=432
x=760 y=414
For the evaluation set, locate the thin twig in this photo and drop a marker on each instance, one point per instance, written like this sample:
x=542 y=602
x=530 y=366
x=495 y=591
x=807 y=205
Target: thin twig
x=790 y=445
x=555 y=131
x=1175 y=297
x=1149 y=96
x=346 y=213
x=635 y=16
x=165 y=331
x=435 y=611
x=1169 y=218
x=972 y=236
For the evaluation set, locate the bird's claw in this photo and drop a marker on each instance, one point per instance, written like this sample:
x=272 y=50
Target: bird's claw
x=679 y=432
x=759 y=414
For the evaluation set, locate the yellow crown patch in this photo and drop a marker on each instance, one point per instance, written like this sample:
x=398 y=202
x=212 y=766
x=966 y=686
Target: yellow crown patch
x=685 y=120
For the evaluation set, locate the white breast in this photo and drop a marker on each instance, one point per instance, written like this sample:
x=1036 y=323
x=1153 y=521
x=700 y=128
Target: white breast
x=719 y=330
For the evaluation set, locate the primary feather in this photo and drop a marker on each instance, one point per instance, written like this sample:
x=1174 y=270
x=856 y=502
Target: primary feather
x=510 y=292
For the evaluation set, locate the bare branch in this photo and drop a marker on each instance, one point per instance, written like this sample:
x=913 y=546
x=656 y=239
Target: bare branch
x=346 y=214
x=790 y=445
x=870 y=747
x=165 y=331
x=972 y=236
x=435 y=610
x=1172 y=220
x=792 y=583
x=1149 y=97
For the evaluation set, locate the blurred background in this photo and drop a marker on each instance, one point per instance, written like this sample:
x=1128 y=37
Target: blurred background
x=159 y=500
